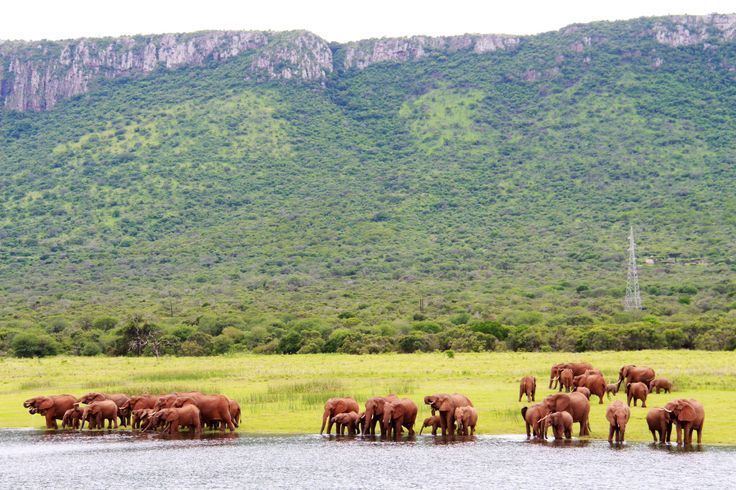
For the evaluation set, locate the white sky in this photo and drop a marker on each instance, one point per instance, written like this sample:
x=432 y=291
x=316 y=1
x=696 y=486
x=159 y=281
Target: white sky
x=334 y=20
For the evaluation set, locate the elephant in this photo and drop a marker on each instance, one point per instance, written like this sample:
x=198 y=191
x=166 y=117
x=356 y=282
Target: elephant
x=577 y=368
x=105 y=410
x=71 y=418
x=637 y=391
x=532 y=415
x=434 y=422
x=660 y=424
x=594 y=382
x=583 y=390
x=576 y=404
x=561 y=423
x=187 y=415
x=566 y=377
x=467 y=418
x=235 y=412
x=611 y=388
x=397 y=414
x=528 y=387
x=633 y=374
x=446 y=405
x=593 y=371
x=688 y=416
x=660 y=384
x=554 y=375
x=333 y=406
x=346 y=420
x=154 y=420
x=212 y=409
x=52 y=408
x=140 y=417
x=617 y=415
x=140 y=402
x=374 y=413
x=122 y=402
x=167 y=401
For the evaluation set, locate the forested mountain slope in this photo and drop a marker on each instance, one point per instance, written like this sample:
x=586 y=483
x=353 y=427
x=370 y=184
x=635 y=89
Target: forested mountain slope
x=375 y=186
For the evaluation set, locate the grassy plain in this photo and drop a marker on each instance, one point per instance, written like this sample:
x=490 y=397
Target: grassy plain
x=285 y=394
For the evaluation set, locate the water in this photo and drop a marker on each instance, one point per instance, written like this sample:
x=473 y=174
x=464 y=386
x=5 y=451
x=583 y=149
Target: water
x=33 y=459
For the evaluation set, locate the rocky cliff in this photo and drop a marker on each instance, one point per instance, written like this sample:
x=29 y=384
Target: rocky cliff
x=35 y=76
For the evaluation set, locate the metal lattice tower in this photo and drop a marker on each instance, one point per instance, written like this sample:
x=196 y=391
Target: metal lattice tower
x=633 y=295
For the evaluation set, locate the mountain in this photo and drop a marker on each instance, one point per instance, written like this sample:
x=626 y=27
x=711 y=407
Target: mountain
x=276 y=182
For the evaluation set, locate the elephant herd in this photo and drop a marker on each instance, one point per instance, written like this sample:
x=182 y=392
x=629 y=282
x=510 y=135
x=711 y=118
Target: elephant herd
x=168 y=413
x=581 y=380
x=392 y=414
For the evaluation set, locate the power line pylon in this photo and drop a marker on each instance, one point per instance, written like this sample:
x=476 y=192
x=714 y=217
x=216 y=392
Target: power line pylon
x=633 y=295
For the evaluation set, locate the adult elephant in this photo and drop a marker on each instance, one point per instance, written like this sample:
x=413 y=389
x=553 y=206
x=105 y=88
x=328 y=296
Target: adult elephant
x=575 y=403
x=688 y=416
x=637 y=391
x=333 y=406
x=577 y=368
x=617 y=415
x=446 y=404
x=120 y=400
x=633 y=374
x=374 y=413
x=52 y=408
x=532 y=415
x=213 y=409
x=595 y=383
x=397 y=414
x=528 y=387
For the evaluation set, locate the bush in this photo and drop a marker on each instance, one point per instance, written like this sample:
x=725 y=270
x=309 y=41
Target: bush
x=28 y=344
x=90 y=349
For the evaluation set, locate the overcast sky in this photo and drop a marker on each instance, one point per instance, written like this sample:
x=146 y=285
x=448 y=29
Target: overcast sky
x=332 y=19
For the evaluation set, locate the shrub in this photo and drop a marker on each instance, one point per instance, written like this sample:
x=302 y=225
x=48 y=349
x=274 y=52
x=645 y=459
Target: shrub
x=27 y=344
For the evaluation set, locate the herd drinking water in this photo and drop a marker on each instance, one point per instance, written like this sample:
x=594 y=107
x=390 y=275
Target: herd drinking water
x=450 y=413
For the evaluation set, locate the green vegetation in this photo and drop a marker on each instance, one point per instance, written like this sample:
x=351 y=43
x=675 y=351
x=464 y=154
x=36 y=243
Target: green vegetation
x=464 y=201
x=285 y=394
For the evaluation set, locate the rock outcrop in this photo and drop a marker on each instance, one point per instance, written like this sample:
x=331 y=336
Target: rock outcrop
x=35 y=76
x=361 y=54
x=688 y=30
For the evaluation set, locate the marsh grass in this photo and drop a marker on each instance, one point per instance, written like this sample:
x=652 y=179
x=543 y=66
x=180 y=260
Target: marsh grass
x=285 y=394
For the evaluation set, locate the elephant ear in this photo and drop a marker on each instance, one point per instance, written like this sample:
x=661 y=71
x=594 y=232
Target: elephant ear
x=445 y=403
x=687 y=412
x=45 y=404
x=170 y=416
x=398 y=410
x=563 y=403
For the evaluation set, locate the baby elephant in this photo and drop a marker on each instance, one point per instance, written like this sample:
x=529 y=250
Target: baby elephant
x=466 y=418
x=611 y=389
x=433 y=421
x=347 y=421
x=140 y=417
x=617 y=415
x=660 y=424
x=637 y=391
x=561 y=423
x=72 y=417
x=660 y=384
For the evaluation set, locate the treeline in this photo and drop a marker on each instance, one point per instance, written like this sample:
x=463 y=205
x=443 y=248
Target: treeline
x=137 y=336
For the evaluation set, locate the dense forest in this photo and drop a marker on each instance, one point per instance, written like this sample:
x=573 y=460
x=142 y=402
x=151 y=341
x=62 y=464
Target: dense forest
x=459 y=202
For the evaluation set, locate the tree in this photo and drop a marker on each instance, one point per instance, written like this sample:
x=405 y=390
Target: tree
x=137 y=334
x=27 y=344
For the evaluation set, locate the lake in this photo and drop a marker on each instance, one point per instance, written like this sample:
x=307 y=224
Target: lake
x=33 y=459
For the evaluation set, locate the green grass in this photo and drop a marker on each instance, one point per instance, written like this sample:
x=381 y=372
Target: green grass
x=284 y=394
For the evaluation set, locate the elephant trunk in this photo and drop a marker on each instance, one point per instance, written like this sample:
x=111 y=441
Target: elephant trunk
x=368 y=421
x=420 y=430
x=324 y=421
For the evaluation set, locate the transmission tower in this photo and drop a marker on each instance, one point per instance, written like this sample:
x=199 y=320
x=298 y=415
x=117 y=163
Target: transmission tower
x=633 y=295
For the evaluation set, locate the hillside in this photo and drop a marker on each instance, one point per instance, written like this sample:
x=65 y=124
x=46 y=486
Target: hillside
x=276 y=183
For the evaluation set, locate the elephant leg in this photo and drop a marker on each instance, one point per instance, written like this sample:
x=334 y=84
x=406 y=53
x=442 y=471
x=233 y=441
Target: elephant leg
x=528 y=432
x=116 y=422
x=700 y=434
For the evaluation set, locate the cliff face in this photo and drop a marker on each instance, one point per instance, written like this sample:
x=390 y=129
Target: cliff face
x=35 y=76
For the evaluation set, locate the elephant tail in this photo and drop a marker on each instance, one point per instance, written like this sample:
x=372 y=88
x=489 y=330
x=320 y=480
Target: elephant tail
x=523 y=412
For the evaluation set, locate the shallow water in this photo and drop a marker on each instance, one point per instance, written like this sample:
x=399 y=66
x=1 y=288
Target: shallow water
x=30 y=458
